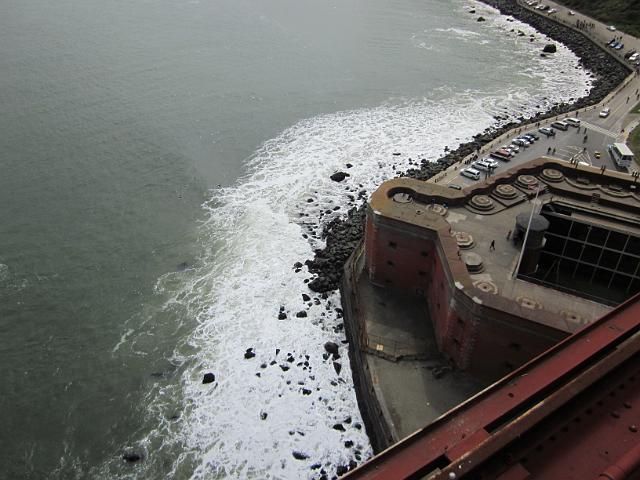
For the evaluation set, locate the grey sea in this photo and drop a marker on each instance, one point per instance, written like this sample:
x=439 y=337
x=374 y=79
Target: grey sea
x=163 y=165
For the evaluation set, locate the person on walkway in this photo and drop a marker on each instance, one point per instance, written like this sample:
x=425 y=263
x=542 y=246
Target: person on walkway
x=548 y=150
x=508 y=234
x=553 y=152
x=492 y=247
x=584 y=139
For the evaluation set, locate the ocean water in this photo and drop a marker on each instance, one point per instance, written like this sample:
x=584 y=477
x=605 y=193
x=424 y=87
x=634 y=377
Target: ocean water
x=163 y=165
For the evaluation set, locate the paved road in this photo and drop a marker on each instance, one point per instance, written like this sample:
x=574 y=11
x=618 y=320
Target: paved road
x=600 y=131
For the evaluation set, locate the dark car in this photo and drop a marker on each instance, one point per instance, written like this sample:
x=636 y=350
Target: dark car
x=533 y=135
x=529 y=137
x=547 y=131
x=455 y=186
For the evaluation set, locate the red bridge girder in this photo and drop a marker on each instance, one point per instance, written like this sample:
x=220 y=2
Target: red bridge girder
x=511 y=417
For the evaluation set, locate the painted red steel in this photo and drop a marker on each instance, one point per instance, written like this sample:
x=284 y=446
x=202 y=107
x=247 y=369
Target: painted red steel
x=476 y=429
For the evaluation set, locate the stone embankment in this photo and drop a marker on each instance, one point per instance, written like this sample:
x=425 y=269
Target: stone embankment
x=343 y=235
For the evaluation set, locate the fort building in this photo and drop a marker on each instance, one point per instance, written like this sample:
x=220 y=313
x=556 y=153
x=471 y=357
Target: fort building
x=498 y=272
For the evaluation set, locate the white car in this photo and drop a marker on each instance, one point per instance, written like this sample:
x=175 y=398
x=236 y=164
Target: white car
x=611 y=28
x=491 y=162
x=482 y=166
x=605 y=112
x=552 y=10
x=470 y=173
x=571 y=12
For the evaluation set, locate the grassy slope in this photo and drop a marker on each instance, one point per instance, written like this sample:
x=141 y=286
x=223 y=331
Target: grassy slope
x=624 y=14
x=634 y=143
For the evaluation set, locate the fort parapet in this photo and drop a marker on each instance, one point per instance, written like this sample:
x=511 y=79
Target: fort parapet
x=459 y=251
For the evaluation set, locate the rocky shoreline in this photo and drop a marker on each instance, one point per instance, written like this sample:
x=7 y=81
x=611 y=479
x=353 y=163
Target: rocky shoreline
x=343 y=234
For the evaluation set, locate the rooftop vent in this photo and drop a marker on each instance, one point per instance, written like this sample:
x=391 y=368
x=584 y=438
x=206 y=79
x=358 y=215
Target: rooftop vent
x=473 y=261
x=486 y=286
x=526 y=181
x=506 y=191
x=439 y=209
x=529 y=303
x=464 y=240
x=481 y=202
x=573 y=317
x=552 y=175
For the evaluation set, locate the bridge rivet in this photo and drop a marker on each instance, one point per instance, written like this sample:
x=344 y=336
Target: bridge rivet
x=633 y=428
x=627 y=405
x=615 y=414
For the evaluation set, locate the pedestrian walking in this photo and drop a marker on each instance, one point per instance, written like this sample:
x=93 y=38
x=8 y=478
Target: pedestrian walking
x=508 y=234
x=548 y=150
x=553 y=152
x=584 y=139
x=492 y=247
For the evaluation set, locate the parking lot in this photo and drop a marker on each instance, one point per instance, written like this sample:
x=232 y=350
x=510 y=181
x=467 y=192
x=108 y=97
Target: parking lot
x=583 y=144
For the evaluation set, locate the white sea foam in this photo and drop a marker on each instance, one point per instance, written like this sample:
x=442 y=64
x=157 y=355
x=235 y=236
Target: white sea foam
x=248 y=426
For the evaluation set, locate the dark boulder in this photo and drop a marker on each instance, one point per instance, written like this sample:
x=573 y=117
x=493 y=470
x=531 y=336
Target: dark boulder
x=337 y=367
x=301 y=314
x=481 y=19
x=208 y=378
x=339 y=176
x=341 y=470
x=299 y=455
x=249 y=353
x=132 y=456
x=549 y=48
x=282 y=316
x=331 y=348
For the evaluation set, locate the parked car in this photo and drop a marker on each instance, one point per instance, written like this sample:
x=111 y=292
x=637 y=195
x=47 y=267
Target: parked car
x=470 y=173
x=571 y=12
x=574 y=122
x=514 y=148
x=597 y=154
x=629 y=54
x=634 y=57
x=533 y=134
x=614 y=44
x=482 y=165
x=531 y=139
x=455 y=186
x=552 y=10
x=500 y=156
x=491 y=162
x=526 y=141
x=604 y=113
x=504 y=152
x=611 y=28
x=560 y=125
x=619 y=46
x=549 y=132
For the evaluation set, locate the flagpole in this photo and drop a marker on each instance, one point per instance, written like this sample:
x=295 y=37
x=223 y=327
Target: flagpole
x=526 y=235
